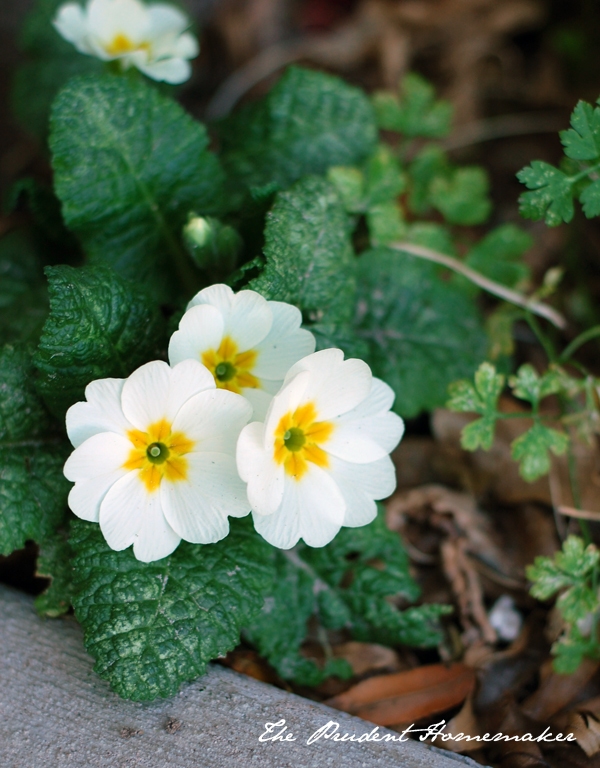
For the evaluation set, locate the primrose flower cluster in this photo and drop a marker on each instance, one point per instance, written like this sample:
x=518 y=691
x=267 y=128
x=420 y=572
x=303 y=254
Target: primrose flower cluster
x=246 y=418
x=151 y=38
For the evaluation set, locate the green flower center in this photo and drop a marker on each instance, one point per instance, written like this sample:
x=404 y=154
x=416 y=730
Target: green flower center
x=157 y=453
x=225 y=371
x=294 y=439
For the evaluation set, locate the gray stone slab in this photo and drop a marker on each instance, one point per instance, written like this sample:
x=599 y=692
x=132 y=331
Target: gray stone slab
x=55 y=711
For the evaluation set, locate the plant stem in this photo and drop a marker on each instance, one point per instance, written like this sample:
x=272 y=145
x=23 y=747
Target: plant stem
x=579 y=341
x=532 y=305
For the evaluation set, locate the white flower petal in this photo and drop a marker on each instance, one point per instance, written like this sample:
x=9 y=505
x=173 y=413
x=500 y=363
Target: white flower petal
x=336 y=385
x=101 y=413
x=213 y=420
x=260 y=402
x=98 y=455
x=312 y=509
x=200 y=329
x=197 y=508
x=285 y=344
x=186 y=47
x=155 y=391
x=361 y=485
x=172 y=71
x=71 y=23
x=264 y=477
x=219 y=296
x=108 y=18
x=124 y=510
x=365 y=440
x=155 y=539
x=380 y=400
x=249 y=321
x=166 y=20
x=87 y=495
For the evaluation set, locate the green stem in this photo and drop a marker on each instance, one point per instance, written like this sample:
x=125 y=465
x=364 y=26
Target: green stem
x=541 y=336
x=584 y=173
x=579 y=341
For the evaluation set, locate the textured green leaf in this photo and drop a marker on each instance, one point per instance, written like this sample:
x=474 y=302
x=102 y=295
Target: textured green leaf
x=386 y=224
x=478 y=434
x=498 y=256
x=309 y=122
x=551 y=197
x=279 y=631
x=571 y=651
x=576 y=603
x=481 y=398
x=129 y=165
x=430 y=163
x=33 y=490
x=416 y=112
x=23 y=294
x=342 y=336
x=582 y=140
x=152 y=626
x=99 y=326
x=54 y=562
x=532 y=450
x=422 y=333
x=384 y=177
x=463 y=197
x=310 y=261
x=350 y=186
x=50 y=62
x=351 y=583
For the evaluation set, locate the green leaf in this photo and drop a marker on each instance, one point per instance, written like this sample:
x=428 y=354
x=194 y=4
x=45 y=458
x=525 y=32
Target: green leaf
x=590 y=199
x=129 y=165
x=350 y=186
x=481 y=398
x=533 y=448
x=430 y=163
x=478 y=434
x=529 y=385
x=498 y=256
x=152 y=626
x=416 y=113
x=50 y=62
x=582 y=140
x=462 y=198
x=384 y=177
x=576 y=603
x=386 y=224
x=99 y=326
x=23 y=294
x=54 y=562
x=571 y=651
x=342 y=336
x=423 y=333
x=310 y=262
x=353 y=583
x=309 y=122
x=279 y=631
x=33 y=490
x=575 y=563
x=551 y=197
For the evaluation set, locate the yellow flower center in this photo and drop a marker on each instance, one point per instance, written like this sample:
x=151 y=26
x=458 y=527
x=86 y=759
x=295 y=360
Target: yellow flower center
x=230 y=368
x=297 y=440
x=158 y=453
x=121 y=44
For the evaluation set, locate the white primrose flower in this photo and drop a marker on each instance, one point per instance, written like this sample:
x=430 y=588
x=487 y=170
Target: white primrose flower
x=154 y=458
x=247 y=342
x=320 y=459
x=151 y=37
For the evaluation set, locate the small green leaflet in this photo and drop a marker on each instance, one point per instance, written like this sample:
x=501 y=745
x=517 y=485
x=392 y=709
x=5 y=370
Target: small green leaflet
x=54 y=562
x=99 y=326
x=582 y=140
x=415 y=112
x=529 y=385
x=533 y=449
x=572 y=573
x=129 y=166
x=481 y=398
x=339 y=585
x=422 y=333
x=310 y=261
x=551 y=197
x=153 y=626
x=33 y=490
x=307 y=123
x=463 y=197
